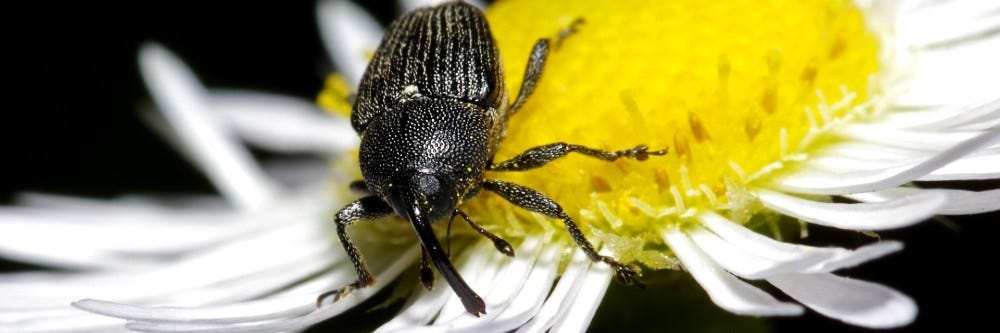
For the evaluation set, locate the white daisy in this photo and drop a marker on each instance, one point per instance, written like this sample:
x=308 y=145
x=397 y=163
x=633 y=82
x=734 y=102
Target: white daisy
x=258 y=263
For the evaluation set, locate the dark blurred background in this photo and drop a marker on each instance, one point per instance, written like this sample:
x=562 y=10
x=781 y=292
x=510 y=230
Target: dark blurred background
x=73 y=128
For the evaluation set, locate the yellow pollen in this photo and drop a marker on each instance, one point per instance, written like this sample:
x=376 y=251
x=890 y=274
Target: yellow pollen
x=729 y=87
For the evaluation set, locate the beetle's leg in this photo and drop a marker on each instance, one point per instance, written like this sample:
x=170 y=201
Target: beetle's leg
x=539 y=156
x=536 y=64
x=426 y=275
x=530 y=199
x=359 y=187
x=532 y=73
x=364 y=209
x=568 y=31
x=501 y=245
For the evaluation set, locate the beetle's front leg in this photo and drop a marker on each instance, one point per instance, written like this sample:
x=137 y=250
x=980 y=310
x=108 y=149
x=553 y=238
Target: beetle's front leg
x=541 y=155
x=364 y=209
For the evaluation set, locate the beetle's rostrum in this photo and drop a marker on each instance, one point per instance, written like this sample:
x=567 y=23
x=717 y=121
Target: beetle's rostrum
x=431 y=110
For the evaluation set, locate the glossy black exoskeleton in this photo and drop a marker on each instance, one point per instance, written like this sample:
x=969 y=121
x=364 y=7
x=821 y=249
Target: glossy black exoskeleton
x=431 y=110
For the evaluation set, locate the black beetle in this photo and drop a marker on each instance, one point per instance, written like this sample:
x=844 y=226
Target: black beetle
x=431 y=110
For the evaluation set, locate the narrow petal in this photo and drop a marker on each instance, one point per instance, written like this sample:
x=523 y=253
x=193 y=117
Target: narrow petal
x=947 y=21
x=283 y=123
x=726 y=290
x=348 y=33
x=744 y=263
x=480 y=272
x=977 y=167
x=262 y=309
x=592 y=289
x=532 y=295
x=960 y=202
x=891 y=214
x=561 y=298
x=971 y=62
x=265 y=322
x=810 y=181
x=943 y=118
x=513 y=274
x=182 y=99
x=910 y=140
x=855 y=302
x=860 y=255
x=749 y=241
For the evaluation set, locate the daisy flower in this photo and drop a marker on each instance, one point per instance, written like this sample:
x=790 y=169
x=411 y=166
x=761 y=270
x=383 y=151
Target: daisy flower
x=783 y=119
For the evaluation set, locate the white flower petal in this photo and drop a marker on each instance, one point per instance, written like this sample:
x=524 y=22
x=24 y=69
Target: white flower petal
x=265 y=323
x=423 y=308
x=930 y=78
x=852 y=301
x=947 y=21
x=479 y=265
x=348 y=33
x=131 y=236
x=247 y=254
x=78 y=322
x=182 y=99
x=283 y=123
x=748 y=265
x=892 y=214
x=588 y=298
x=906 y=139
x=562 y=297
x=513 y=274
x=960 y=202
x=261 y=309
x=726 y=290
x=979 y=166
x=812 y=181
x=944 y=118
x=532 y=294
x=860 y=255
x=747 y=240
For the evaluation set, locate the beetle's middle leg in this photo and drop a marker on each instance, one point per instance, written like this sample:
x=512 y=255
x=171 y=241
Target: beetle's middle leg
x=541 y=155
x=364 y=209
x=530 y=199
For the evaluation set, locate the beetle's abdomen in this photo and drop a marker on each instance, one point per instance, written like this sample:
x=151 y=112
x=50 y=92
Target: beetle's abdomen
x=445 y=51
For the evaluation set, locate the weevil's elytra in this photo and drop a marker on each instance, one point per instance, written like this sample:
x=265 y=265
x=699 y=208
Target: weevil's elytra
x=431 y=110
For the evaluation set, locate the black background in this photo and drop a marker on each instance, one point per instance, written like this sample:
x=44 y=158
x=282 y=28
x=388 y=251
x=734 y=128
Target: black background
x=73 y=128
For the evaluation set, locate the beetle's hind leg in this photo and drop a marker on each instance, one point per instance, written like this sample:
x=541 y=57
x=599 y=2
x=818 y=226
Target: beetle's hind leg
x=573 y=28
x=364 y=209
x=536 y=64
x=530 y=199
x=502 y=245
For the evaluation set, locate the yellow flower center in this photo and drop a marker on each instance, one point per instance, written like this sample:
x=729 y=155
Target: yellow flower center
x=731 y=88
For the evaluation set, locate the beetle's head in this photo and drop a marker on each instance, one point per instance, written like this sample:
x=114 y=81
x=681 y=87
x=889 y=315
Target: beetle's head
x=425 y=150
x=423 y=194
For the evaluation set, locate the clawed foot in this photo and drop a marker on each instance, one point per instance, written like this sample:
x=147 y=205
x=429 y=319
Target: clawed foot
x=640 y=152
x=627 y=274
x=340 y=293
